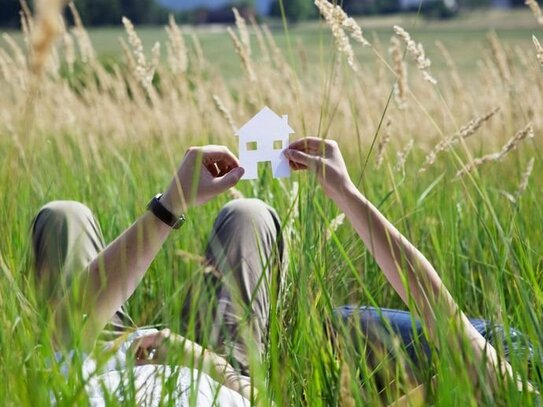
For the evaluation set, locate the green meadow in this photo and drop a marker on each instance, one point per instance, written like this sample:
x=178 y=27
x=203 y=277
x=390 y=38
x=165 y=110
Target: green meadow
x=93 y=132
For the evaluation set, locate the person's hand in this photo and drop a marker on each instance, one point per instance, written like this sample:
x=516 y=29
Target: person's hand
x=152 y=348
x=204 y=173
x=324 y=159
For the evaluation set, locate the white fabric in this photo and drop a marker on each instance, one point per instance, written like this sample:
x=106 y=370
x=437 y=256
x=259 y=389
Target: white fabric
x=152 y=385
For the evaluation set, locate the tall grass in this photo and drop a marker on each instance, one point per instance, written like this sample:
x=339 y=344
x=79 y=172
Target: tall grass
x=110 y=135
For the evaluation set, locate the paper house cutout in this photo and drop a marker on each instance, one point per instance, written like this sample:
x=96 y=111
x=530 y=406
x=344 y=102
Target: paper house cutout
x=263 y=139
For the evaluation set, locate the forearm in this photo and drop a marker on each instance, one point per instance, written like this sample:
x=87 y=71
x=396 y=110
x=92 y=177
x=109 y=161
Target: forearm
x=407 y=270
x=413 y=277
x=212 y=364
x=118 y=270
x=110 y=279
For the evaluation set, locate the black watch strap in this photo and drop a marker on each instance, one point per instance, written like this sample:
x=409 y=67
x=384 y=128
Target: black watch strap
x=156 y=207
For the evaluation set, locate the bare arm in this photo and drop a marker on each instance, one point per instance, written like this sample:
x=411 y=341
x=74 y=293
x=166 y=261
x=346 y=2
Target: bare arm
x=408 y=271
x=158 y=348
x=113 y=276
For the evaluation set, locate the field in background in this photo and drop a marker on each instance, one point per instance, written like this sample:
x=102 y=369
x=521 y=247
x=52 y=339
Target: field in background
x=465 y=37
x=108 y=129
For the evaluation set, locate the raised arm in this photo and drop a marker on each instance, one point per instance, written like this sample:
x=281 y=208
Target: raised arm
x=113 y=276
x=408 y=271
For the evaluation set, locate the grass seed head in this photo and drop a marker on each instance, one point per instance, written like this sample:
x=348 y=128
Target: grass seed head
x=539 y=50
x=400 y=70
x=534 y=6
x=243 y=53
x=176 y=47
x=417 y=53
x=525 y=178
x=465 y=131
x=382 y=144
x=221 y=107
x=339 y=21
x=525 y=133
x=243 y=31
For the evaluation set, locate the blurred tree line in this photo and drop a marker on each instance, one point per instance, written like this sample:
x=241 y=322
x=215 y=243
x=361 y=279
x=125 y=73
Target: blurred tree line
x=110 y=12
x=97 y=12
x=303 y=9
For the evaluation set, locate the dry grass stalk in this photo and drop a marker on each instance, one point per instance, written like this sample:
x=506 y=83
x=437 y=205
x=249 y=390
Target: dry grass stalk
x=402 y=156
x=538 y=49
x=176 y=47
x=334 y=225
x=500 y=57
x=47 y=27
x=339 y=21
x=525 y=133
x=400 y=70
x=143 y=71
x=16 y=51
x=155 y=56
x=225 y=112
x=346 y=398
x=512 y=144
x=242 y=51
x=535 y=9
x=27 y=22
x=69 y=51
x=235 y=193
x=465 y=131
x=243 y=32
x=83 y=41
x=265 y=52
x=417 y=52
x=382 y=144
x=26 y=28
x=207 y=268
x=4 y=65
x=198 y=50
x=276 y=52
x=525 y=178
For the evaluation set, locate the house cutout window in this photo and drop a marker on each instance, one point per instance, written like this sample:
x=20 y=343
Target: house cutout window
x=278 y=145
x=251 y=146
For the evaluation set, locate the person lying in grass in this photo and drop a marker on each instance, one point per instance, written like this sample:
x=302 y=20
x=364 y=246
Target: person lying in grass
x=86 y=284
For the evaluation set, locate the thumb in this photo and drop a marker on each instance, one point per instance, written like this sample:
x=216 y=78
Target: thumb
x=229 y=180
x=299 y=157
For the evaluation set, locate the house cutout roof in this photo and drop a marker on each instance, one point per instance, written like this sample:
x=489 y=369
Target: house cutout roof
x=265 y=123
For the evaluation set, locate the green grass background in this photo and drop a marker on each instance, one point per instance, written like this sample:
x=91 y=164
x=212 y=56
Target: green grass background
x=486 y=246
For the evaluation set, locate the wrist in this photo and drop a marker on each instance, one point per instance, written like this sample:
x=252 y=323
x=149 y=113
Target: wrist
x=345 y=193
x=164 y=213
x=342 y=189
x=175 y=206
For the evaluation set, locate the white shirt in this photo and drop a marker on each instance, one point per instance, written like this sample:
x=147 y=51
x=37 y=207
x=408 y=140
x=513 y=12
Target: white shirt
x=150 y=385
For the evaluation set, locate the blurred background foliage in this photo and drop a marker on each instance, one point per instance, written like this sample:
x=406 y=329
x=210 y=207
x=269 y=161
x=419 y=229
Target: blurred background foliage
x=153 y=12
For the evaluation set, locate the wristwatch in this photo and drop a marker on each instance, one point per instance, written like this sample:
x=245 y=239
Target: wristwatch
x=156 y=207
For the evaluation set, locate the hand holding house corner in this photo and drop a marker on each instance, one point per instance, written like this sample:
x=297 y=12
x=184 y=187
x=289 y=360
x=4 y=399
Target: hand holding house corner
x=263 y=139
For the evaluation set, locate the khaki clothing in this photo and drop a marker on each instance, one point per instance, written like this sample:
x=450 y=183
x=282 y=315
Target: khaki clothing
x=245 y=250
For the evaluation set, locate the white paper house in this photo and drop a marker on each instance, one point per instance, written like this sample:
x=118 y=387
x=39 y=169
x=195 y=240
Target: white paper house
x=263 y=139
